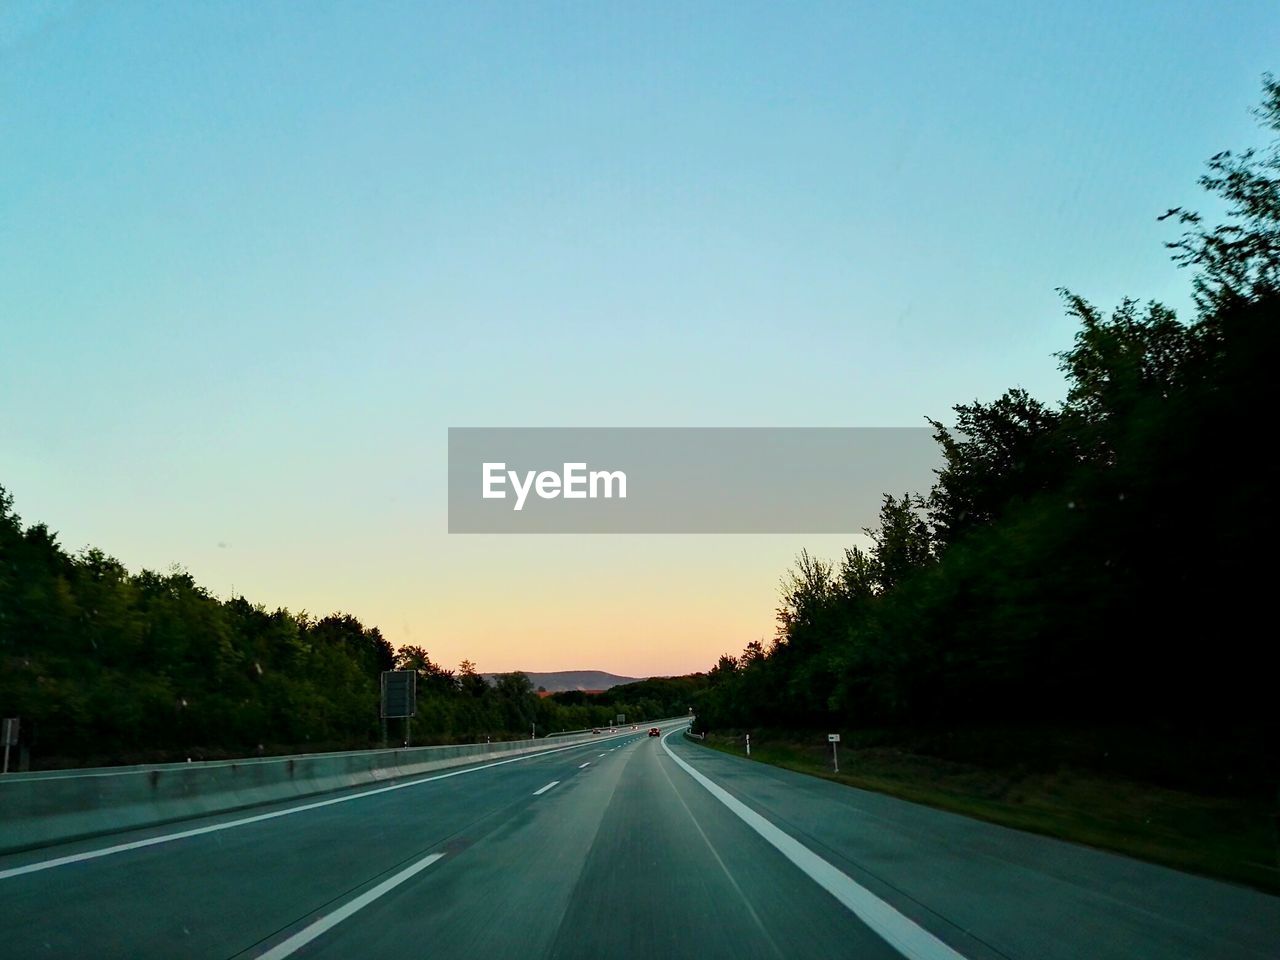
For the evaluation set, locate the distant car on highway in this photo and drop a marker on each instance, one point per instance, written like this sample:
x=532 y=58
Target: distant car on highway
x=654 y=732
x=595 y=731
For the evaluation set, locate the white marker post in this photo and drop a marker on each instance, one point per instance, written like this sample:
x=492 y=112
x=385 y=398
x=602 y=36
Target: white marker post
x=9 y=734
x=833 y=739
x=748 y=744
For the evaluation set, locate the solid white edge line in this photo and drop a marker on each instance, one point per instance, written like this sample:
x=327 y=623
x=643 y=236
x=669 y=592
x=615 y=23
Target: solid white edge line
x=900 y=932
x=258 y=818
x=304 y=936
x=541 y=790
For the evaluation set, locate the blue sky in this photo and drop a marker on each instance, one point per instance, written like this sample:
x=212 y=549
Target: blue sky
x=256 y=258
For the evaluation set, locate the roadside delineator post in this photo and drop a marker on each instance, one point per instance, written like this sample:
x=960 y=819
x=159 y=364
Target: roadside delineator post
x=9 y=735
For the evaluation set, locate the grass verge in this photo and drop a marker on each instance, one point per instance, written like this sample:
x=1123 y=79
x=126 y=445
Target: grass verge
x=1231 y=838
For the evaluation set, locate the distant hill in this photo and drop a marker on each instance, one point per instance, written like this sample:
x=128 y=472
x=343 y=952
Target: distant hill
x=573 y=680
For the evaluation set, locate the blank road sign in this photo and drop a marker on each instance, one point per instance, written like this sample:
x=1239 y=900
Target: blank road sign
x=399 y=693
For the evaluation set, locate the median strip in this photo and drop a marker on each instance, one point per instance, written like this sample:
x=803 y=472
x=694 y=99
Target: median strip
x=258 y=818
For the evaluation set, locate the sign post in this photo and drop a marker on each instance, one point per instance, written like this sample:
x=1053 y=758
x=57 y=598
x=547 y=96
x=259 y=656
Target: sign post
x=833 y=739
x=8 y=734
x=399 y=698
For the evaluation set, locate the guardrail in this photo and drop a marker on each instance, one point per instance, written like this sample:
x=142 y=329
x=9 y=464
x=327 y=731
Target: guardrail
x=37 y=809
x=607 y=728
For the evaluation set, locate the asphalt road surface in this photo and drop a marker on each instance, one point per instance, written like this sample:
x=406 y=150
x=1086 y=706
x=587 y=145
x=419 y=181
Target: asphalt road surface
x=634 y=847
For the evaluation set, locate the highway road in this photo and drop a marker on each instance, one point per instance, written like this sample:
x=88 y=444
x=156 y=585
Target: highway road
x=633 y=847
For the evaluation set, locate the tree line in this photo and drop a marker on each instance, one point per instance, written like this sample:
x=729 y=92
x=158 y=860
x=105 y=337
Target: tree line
x=1103 y=561
x=456 y=705
x=104 y=666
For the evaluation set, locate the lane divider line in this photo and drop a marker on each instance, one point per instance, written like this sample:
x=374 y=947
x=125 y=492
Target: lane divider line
x=746 y=902
x=587 y=764
x=258 y=818
x=899 y=931
x=539 y=792
x=287 y=948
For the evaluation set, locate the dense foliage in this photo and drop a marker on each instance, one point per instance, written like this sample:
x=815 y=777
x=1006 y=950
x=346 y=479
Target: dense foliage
x=102 y=665
x=1104 y=561
x=100 y=662
x=462 y=705
x=657 y=697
